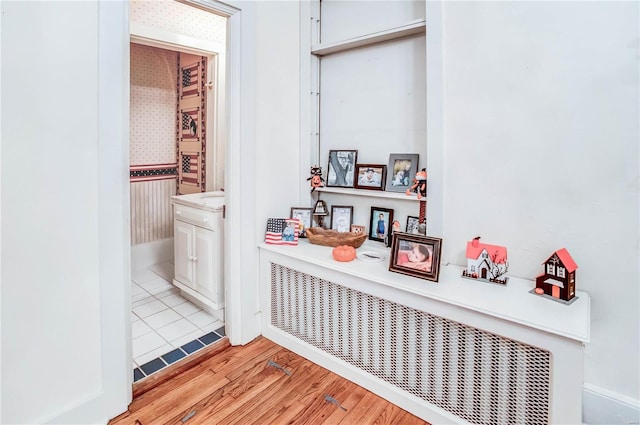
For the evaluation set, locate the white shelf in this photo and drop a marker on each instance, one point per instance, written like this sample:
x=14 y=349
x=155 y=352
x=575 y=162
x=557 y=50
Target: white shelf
x=414 y=27
x=370 y=193
x=511 y=302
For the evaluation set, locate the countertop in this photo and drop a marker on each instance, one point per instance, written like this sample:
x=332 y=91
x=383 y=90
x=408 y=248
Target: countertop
x=211 y=201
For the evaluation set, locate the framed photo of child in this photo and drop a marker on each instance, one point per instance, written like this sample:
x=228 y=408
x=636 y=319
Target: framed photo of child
x=380 y=224
x=304 y=215
x=341 y=218
x=401 y=171
x=416 y=255
x=412 y=224
x=341 y=168
x=370 y=176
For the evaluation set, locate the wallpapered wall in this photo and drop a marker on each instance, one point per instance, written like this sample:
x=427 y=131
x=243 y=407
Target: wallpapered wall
x=179 y=18
x=153 y=105
x=152 y=113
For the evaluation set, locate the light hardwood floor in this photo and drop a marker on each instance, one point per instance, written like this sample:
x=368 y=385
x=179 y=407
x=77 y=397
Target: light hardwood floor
x=241 y=385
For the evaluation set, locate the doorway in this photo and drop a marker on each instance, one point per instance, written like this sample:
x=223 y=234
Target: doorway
x=166 y=325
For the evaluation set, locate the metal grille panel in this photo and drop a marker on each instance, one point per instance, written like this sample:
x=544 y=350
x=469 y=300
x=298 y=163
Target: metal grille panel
x=476 y=375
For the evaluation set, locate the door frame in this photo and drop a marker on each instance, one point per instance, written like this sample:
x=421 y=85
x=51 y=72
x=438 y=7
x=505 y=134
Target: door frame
x=114 y=196
x=228 y=122
x=239 y=326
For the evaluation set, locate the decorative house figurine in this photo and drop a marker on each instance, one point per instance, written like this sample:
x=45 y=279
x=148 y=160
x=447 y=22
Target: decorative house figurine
x=486 y=262
x=320 y=211
x=559 y=278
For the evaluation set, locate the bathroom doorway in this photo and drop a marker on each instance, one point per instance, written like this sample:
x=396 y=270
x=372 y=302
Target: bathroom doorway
x=166 y=325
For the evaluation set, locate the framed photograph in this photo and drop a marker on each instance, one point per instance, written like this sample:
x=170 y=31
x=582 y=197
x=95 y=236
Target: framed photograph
x=370 y=176
x=341 y=218
x=416 y=255
x=412 y=225
x=342 y=168
x=380 y=223
x=401 y=171
x=304 y=215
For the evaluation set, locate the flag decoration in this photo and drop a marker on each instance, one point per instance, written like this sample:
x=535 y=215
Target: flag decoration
x=189 y=124
x=189 y=167
x=190 y=79
x=282 y=231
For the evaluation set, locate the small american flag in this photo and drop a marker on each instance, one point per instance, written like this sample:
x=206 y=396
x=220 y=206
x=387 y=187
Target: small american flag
x=189 y=168
x=190 y=80
x=282 y=231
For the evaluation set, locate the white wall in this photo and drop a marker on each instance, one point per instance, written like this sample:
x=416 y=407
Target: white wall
x=541 y=152
x=277 y=170
x=63 y=276
x=279 y=173
x=45 y=168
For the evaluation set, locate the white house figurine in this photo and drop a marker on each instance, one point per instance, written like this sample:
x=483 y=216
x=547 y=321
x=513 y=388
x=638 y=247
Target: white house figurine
x=486 y=262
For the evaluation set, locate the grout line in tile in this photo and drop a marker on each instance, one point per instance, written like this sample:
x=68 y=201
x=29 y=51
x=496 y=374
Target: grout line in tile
x=205 y=329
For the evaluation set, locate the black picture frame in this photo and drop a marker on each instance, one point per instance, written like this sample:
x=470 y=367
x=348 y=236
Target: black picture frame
x=377 y=214
x=409 y=254
x=305 y=215
x=341 y=168
x=412 y=225
x=341 y=218
x=370 y=176
x=407 y=164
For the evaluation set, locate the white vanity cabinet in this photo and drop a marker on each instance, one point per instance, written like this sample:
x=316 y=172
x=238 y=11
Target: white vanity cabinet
x=198 y=249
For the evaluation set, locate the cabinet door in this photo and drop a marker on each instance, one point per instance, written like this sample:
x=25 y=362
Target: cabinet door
x=183 y=253
x=207 y=265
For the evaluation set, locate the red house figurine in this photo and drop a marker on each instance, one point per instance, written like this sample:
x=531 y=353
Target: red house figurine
x=559 y=278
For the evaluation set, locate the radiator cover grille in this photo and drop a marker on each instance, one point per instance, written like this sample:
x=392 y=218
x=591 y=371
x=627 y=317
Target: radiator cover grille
x=478 y=376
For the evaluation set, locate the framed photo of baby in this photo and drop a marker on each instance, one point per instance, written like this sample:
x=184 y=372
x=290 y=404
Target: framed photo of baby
x=416 y=255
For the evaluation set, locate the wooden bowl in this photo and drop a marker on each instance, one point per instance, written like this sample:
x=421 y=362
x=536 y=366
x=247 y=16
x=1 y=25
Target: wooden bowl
x=320 y=236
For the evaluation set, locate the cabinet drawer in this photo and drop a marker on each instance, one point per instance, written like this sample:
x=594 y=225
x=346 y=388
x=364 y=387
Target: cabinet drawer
x=200 y=218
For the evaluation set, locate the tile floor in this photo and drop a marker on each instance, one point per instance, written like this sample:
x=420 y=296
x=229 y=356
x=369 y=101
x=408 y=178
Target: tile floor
x=165 y=327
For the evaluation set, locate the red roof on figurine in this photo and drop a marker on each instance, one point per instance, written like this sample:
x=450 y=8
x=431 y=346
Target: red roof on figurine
x=566 y=259
x=475 y=248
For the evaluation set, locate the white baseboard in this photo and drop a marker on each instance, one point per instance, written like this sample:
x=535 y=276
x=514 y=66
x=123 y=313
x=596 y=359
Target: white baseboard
x=147 y=254
x=603 y=407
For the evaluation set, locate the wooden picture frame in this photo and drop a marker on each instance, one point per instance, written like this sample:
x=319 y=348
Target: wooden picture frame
x=370 y=176
x=341 y=168
x=305 y=215
x=341 y=218
x=401 y=171
x=380 y=223
x=416 y=255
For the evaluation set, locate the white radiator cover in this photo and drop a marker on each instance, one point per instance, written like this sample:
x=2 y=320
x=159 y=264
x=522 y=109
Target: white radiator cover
x=430 y=356
x=478 y=376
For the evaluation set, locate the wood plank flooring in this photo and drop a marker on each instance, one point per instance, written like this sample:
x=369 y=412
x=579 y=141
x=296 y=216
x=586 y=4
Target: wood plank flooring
x=245 y=385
